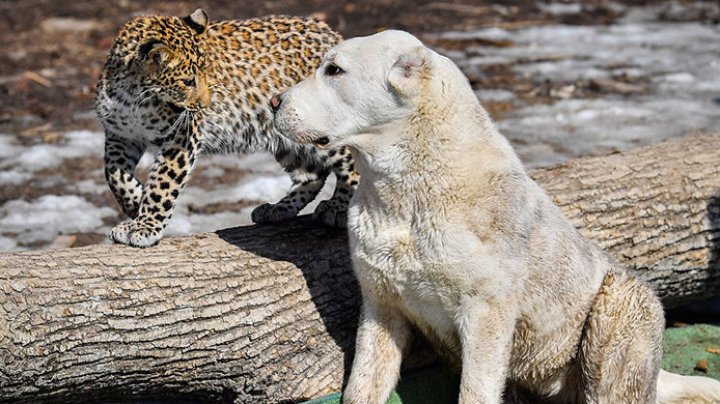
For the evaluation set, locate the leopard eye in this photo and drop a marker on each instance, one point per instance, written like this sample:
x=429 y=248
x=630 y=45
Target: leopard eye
x=333 y=70
x=189 y=82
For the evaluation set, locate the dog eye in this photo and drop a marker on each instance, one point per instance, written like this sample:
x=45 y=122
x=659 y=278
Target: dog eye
x=189 y=82
x=333 y=70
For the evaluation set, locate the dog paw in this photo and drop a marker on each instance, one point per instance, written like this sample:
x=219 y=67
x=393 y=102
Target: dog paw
x=121 y=233
x=144 y=237
x=331 y=213
x=272 y=213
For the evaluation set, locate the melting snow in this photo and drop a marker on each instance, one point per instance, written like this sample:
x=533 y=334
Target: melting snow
x=87 y=187
x=184 y=223
x=258 y=189
x=495 y=95
x=255 y=189
x=680 y=59
x=44 y=218
x=74 y=144
x=7 y=244
x=13 y=177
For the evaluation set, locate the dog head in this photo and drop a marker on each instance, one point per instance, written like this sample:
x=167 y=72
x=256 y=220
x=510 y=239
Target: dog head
x=362 y=86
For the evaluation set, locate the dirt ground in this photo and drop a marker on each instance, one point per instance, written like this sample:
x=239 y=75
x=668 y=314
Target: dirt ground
x=53 y=50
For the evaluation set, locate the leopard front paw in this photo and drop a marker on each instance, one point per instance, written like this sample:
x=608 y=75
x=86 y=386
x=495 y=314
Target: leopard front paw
x=121 y=233
x=272 y=213
x=144 y=237
x=135 y=234
x=331 y=213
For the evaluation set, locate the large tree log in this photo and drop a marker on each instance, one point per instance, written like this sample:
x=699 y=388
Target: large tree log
x=268 y=313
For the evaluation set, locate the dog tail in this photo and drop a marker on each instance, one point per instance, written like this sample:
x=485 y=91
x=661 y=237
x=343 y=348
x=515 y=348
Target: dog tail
x=676 y=389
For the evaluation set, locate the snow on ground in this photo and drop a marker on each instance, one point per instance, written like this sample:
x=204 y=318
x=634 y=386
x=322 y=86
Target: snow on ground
x=18 y=159
x=266 y=183
x=257 y=187
x=676 y=64
x=39 y=221
x=680 y=61
x=45 y=218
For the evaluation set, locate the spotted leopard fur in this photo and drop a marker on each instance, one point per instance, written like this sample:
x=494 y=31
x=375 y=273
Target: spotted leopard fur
x=183 y=87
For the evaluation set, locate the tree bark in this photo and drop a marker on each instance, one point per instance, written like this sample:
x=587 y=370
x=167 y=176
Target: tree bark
x=656 y=208
x=268 y=313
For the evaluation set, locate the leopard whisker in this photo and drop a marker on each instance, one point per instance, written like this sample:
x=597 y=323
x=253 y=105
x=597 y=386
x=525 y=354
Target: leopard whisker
x=176 y=124
x=139 y=100
x=105 y=105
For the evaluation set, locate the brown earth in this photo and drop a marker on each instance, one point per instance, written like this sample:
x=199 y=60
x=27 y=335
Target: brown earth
x=53 y=50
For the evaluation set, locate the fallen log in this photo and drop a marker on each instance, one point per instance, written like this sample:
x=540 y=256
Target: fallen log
x=268 y=313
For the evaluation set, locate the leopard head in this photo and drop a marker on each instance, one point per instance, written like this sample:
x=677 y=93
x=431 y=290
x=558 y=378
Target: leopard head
x=171 y=60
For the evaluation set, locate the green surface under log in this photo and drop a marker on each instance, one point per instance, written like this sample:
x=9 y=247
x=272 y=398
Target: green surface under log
x=685 y=346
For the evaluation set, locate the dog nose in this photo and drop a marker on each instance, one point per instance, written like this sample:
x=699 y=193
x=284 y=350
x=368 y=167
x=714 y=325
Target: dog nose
x=275 y=102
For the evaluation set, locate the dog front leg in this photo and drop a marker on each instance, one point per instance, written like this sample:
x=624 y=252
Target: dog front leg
x=486 y=332
x=383 y=336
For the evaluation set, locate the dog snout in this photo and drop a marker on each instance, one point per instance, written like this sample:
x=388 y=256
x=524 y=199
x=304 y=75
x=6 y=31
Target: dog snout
x=275 y=102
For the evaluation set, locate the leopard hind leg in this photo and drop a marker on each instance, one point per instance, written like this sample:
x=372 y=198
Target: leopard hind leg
x=333 y=212
x=308 y=174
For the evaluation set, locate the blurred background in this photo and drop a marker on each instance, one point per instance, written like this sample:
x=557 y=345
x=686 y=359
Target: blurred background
x=562 y=80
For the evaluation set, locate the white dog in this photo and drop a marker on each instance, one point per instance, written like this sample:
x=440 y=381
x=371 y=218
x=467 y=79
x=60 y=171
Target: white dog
x=450 y=235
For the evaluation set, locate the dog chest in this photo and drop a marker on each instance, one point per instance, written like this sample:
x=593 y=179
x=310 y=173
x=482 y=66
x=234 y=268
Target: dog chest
x=407 y=262
x=382 y=259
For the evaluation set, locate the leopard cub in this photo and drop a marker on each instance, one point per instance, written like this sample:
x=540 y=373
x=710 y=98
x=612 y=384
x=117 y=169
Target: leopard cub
x=182 y=87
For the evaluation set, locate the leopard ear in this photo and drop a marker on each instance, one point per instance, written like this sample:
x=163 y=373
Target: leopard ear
x=198 y=20
x=155 y=54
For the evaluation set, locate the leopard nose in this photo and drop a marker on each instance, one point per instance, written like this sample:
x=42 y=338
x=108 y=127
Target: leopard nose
x=275 y=102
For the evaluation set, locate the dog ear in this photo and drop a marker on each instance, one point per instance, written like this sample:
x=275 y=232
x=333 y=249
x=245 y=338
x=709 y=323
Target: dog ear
x=198 y=20
x=408 y=69
x=156 y=55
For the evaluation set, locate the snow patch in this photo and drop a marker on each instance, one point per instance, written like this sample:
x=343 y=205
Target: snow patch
x=46 y=217
x=87 y=187
x=32 y=158
x=678 y=60
x=580 y=127
x=9 y=146
x=146 y=161
x=184 y=223
x=260 y=188
x=13 y=177
x=495 y=95
x=560 y=8
x=214 y=172
x=7 y=244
